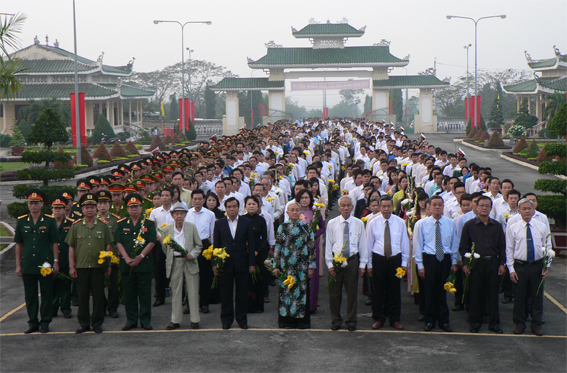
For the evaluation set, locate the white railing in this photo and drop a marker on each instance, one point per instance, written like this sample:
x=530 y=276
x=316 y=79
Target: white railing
x=451 y=125
x=208 y=129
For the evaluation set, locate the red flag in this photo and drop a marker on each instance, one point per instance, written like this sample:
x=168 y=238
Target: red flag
x=83 y=130
x=252 y=116
x=181 y=115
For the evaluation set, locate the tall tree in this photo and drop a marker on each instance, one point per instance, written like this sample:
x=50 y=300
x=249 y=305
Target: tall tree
x=397 y=104
x=552 y=104
x=367 y=103
x=496 y=119
x=210 y=102
x=173 y=107
x=102 y=126
x=524 y=118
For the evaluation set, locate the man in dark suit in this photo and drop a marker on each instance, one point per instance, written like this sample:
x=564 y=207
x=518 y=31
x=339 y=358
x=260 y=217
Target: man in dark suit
x=234 y=233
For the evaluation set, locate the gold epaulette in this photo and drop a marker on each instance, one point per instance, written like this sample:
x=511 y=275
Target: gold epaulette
x=121 y=220
x=23 y=216
x=71 y=219
x=102 y=220
x=148 y=219
x=76 y=221
x=49 y=216
x=78 y=213
x=116 y=216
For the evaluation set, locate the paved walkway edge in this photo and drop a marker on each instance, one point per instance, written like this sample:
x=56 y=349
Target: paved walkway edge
x=7 y=251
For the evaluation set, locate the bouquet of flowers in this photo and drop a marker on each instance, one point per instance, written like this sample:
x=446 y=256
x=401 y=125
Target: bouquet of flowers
x=289 y=169
x=46 y=270
x=548 y=255
x=148 y=212
x=208 y=253
x=169 y=241
x=450 y=283
x=252 y=180
x=105 y=258
x=316 y=215
x=289 y=281
x=470 y=260
x=219 y=256
x=400 y=272
x=339 y=262
x=364 y=220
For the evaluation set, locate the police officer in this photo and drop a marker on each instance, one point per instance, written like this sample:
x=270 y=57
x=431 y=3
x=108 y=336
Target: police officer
x=36 y=244
x=87 y=238
x=62 y=285
x=104 y=198
x=136 y=265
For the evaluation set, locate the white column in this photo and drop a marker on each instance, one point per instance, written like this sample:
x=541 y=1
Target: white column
x=276 y=105
x=130 y=112
x=519 y=103
x=425 y=121
x=231 y=120
x=538 y=106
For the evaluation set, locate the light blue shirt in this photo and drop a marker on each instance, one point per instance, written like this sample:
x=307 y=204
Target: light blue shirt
x=425 y=240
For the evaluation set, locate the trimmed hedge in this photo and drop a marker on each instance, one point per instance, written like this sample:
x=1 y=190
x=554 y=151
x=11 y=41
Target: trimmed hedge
x=102 y=153
x=521 y=145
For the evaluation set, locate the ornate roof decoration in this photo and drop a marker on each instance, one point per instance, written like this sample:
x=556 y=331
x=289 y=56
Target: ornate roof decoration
x=430 y=71
x=272 y=44
x=382 y=43
x=325 y=30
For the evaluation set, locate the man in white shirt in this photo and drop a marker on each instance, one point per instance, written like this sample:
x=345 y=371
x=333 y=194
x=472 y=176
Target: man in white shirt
x=345 y=237
x=220 y=191
x=493 y=188
x=388 y=242
x=451 y=167
x=239 y=185
x=501 y=204
x=525 y=244
x=542 y=218
x=205 y=221
x=271 y=197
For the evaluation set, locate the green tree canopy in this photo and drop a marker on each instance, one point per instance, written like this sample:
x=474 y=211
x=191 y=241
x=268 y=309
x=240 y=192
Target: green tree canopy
x=524 y=118
x=25 y=128
x=48 y=129
x=210 y=102
x=558 y=125
x=102 y=126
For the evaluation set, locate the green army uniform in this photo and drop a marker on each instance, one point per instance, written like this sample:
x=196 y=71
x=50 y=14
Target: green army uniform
x=122 y=211
x=76 y=210
x=88 y=243
x=37 y=241
x=147 y=204
x=113 y=300
x=137 y=281
x=62 y=286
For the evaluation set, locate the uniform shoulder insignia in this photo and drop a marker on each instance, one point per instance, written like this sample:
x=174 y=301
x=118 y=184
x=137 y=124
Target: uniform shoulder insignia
x=121 y=220
x=117 y=216
x=78 y=213
x=76 y=221
x=23 y=216
x=49 y=216
x=71 y=220
x=102 y=220
x=148 y=219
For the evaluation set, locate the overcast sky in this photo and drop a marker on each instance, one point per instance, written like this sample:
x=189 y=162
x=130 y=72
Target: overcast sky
x=124 y=29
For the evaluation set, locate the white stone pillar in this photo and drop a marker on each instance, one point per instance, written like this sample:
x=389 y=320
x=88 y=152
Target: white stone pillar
x=381 y=102
x=530 y=104
x=110 y=112
x=425 y=121
x=130 y=112
x=230 y=125
x=276 y=105
x=121 y=113
x=519 y=103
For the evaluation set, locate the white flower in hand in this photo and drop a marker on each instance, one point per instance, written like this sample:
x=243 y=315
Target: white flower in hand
x=468 y=255
x=344 y=264
x=405 y=201
x=476 y=256
x=551 y=254
x=46 y=265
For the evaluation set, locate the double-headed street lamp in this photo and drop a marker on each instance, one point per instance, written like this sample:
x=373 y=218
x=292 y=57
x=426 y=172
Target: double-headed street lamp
x=475 y=58
x=182 y=120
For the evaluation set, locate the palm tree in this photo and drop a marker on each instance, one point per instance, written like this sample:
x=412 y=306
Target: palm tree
x=10 y=26
x=552 y=104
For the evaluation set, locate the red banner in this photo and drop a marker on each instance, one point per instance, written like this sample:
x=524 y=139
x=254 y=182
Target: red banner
x=391 y=108
x=83 y=129
x=325 y=112
x=168 y=131
x=470 y=110
x=181 y=121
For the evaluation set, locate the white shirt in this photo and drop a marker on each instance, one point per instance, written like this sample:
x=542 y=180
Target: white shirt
x=232 y=225
x=398 y=237
x=270 y=227
x=179 y=237
x=537 y=216
x=498 y=206
x=516 y=242
x=356 y=242
x=161 y=216
x=244 y=189
x=204 y=220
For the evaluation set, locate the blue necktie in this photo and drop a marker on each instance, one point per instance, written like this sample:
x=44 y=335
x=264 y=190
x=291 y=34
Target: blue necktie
x=438 y=242
x=531 y=251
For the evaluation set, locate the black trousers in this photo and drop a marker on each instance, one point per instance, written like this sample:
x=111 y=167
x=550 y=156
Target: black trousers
x=90 y=280
x=232 y=308
x=436 y=273
x=484 y=284
x=529 y=278
x=507 y=285
x=459 y=286
x=386 y=288
x=206 y=276
x=159 y=272
x=32 y=299
x=113 y=300
x=421 y=295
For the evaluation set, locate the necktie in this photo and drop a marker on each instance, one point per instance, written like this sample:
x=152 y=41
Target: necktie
x=346 y=234
x=438 y=242
x=531 y=251
x=387 y=241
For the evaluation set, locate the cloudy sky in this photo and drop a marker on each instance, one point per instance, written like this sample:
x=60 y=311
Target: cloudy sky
x=124 y=29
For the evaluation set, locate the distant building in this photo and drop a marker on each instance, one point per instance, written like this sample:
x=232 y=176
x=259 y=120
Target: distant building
x=50 y=73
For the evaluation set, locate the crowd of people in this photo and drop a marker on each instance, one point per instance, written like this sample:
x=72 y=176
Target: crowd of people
x=240 y=214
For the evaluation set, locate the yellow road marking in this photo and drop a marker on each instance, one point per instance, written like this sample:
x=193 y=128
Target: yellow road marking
x=555 y=301
x=12 y=312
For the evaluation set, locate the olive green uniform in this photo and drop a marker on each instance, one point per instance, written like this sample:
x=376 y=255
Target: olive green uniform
x=88 y=243
x=37 y=241
x=62 y=286
x=137 y=281
x=76 y=214
x=113 y=300
x=121 y=211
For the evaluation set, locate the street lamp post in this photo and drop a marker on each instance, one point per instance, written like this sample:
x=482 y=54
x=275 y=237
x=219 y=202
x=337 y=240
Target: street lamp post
x=468 y=87
x=182 y=119
x=476 y=58
x=190 y=105
x=77 y=111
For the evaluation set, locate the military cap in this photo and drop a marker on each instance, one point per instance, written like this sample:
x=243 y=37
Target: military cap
x=36 y=194
x=59 y=201
x=83 y=184
x=88 y=199
x=104 y=195
x=133 y=199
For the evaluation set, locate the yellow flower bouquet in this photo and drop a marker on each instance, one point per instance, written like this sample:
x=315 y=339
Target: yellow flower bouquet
x=169 y=241
x=400 y=272
x=450 y=284
x=339 y=262
x=219 y=257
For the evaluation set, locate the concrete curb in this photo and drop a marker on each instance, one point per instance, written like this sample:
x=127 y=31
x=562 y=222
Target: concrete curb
x=510 y=159
x=481 y=148
x=7 y=251
x=11 y=246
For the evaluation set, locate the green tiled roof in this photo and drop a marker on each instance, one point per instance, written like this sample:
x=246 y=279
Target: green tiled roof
x=543 y=63
x=53 y=66
x=234 y=84
x=532 y=86
x=529 y=86
x=327 y=29
x=409 y=81
x=62 y=91
x=129 y=91
x=332 y=57
x=557 y=84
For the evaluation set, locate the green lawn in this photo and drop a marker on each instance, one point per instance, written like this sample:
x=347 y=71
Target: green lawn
x=4 y=232
x=12 y=166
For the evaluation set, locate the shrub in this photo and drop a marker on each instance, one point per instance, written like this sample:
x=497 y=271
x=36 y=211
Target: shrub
x=17 y=137
x=5 y=140
x=558 y=125
x=157 y=142
x=468 y=128
x=168 y=140
x=478 y=135
x=145 y=135
x=103 y=161
x=80 y=166
x=133 y=149
x=132 y=155
x=554 y=207
x=123 y=136
x=182 y=137
x=25 y=128
x=521 y=145
x=542 y=156
x=484 y=136
x=533 y=150
x=102 y=153
x=120 y=159
x=495 y=141
x=192 y=134
x=102 y=126
x=472 y=133
x=86 y=158
x=517 y=131
x=118 y=151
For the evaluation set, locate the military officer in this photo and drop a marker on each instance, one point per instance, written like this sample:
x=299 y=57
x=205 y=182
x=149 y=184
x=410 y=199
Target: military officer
x=83 y=186
x=62 y=285
x=117 y=206
x=135 y=238
x=104 y=197
x=36 y=246
x=87 y=238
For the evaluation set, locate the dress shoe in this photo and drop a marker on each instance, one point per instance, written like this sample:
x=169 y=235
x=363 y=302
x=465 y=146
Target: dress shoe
x=474 y=330
x=519 y=330
x=428 y=327
x=226 y=326
x=82 y=329
x=113 y=314
x=44 y=328
x=97 y=329
x=397 y=325
x=67 y=314
x=538 y=332
x=186 y=310
x=377 y=325
x=158 y=303
x=447 y=328
x=31 y=329
x=172 y=326
x=496 y=330
x=147 y=326
x=195 y=325
x=351 y=328
x=458 y=307
x=205 y=309
x=506 y=300
x=128 y=327
x=243 y=326
x=335 y=327
x=421 y=318
x=266 y=300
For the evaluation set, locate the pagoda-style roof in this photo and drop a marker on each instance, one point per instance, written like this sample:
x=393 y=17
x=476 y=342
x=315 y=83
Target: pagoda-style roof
x=545 y=85
x=560 y=60
x=46 y=67
x=249 y=84
x=374 y=56
x=409 y=81
x=324 y=30
x=30 y=92
x=128 y=91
